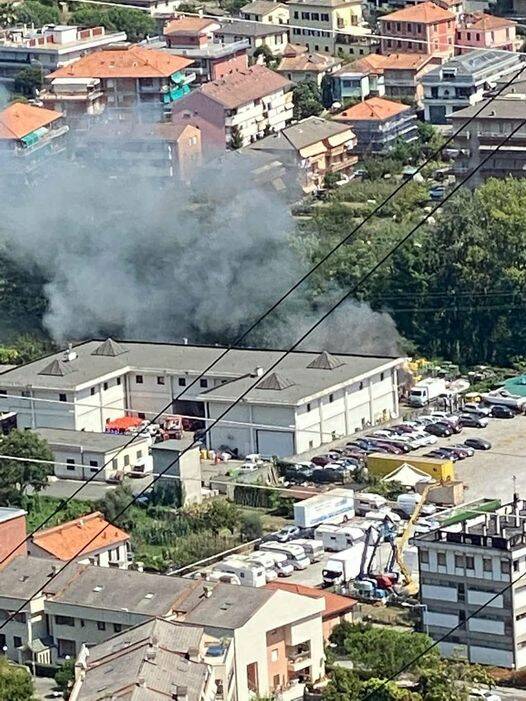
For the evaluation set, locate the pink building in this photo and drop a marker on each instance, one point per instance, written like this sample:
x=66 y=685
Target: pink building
x=425 y=28
x=480 y=31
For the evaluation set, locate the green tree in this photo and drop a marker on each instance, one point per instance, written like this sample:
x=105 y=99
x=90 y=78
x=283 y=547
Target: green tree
x=451 y=680
x=15 y=683
x=18 y=476
x=307 y=99
x=268 y=57
x=380 y=690
x=28 y=81
x=219 y=514
x=327 y=93
x=114 y=502
x=251 y=526
x=137 y=25
x=167 y=493
x=344 y=685
x=65 y=676
x=37 y=13
x=236 y=140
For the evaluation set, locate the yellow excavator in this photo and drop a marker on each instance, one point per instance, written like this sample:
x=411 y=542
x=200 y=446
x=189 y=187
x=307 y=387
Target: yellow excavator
x=411 y=587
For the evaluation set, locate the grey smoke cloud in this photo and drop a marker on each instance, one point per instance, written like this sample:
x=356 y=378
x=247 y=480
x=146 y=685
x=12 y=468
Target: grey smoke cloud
x=126 y=257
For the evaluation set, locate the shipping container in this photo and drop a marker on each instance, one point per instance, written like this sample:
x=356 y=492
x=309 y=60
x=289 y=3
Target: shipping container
x=380 y=465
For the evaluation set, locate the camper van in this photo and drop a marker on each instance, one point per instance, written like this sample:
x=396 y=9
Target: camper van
x=336 y=538
x=249 y=574
x=273 y=562
x=295 y=553
x=270 y=571
x=365 y=501
x=313 y=548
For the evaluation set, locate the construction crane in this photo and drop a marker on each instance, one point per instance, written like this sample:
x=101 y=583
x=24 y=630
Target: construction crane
x=411 y=587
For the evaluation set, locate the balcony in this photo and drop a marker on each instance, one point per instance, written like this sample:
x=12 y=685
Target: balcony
x=40 y=139
x=298 y=657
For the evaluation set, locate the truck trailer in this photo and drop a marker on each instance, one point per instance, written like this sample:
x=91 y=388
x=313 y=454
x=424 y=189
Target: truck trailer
x=335 y=506
x=426 y=390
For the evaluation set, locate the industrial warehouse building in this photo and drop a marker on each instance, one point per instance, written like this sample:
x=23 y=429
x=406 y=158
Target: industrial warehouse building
x=309 y=399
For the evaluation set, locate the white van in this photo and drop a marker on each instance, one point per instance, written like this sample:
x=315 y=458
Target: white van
x=278 y=561
x=367 y=501
x=295 y=553
x=249 y=574
x=313 y=548
x=336 y=538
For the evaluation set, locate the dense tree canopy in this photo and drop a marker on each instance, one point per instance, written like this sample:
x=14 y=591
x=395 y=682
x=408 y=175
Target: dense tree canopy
x=307 y=99
x=19 y=476
x=135 y=23
x=15 y=683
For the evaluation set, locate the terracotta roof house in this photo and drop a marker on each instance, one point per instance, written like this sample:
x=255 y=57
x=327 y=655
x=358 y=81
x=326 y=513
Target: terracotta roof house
x=424 y=28
x=274 y=36
x=136 y=81
x=105 y=544
x=29 y=136
x=242 y=105
x=299 y=64
x=266 y=11
x=483 y=31
x=337 y=608
x=378 y=123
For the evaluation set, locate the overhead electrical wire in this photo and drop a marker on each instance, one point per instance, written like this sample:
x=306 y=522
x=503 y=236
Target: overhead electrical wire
x=350 y=292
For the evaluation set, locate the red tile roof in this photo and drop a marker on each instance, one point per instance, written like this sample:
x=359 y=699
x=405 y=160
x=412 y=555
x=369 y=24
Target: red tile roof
x=65 y=541
x=377 y=64
x=376 y=108
x=19 y=120
x=239 y=87
x=423 y=13
x=126 y=62
x=484 y=22
x=334 y=603
x=188 y=25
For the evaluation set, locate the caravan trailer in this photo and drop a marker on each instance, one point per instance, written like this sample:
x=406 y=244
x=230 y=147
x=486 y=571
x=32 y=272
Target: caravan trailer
x=295 y=553
x=278 y=562
x=313 y=548
x=337 y=538
x=366 y=501
x=249 y=574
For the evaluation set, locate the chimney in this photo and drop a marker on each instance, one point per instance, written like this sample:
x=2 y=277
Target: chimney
x=141 y=681
x=179 y=692
x=151 y=653
x=193 y=654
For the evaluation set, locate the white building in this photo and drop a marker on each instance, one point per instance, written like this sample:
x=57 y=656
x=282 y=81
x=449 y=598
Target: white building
x=81 y=454
x=49 y=48
x=306 y=401
x=466 y=565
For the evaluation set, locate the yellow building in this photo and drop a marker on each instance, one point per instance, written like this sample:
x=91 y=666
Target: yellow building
x=322 y=25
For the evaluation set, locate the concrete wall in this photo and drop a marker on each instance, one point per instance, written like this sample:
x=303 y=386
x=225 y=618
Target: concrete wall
x=187 y=468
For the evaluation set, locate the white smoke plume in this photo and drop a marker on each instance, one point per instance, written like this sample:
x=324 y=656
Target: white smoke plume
x=141 y=261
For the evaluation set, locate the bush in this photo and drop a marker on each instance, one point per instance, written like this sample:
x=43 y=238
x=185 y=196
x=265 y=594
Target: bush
x=251 y=526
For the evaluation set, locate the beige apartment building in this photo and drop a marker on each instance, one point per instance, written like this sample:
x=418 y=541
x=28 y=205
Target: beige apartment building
x=326 y=25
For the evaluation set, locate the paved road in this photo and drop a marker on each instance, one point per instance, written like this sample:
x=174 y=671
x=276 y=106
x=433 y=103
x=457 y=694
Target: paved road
x=45 y=688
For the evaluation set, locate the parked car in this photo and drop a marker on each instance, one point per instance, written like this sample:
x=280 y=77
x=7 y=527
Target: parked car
x=474 y=408
x=499 y=411
x=455 y=426
x=472 y=421
x=388 y=447
x=326 y=475
x=321 y=460
x=478 y=443
x=439 y=429
x=469 y=450
x=284 y=534
x=459 y=452
x=438 y=453
x=437 y=193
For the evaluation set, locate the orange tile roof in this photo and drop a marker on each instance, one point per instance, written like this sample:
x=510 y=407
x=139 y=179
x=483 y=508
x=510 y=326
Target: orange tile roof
x=65 y=541
x=377 y=63
x=334 y=603
x=484 y=22
x=373 y=108
x=19 y=120
x=184 y=25
x=125 y=62
x=239 y=87
x=423 y=13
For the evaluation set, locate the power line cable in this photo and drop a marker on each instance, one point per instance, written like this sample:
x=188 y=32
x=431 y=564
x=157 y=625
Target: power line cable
x=284 y=296
x=350 y=292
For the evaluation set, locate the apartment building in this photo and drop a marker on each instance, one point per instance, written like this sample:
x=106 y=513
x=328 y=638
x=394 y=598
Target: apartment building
x=276 y=637
x=483 y=31
x=360 y=79
x=246 y=104
x=299 y=64
x=30 y=137
x=379 y=123
x=319 y=392
x=323 y=25
x=102 y=543
x=49 y=48
x=12 y=533
x=274 y=36
x=195 y=38
x=480 y=129
x=463 y=80
x=313 y=147
x=165 y=660
x=138 y=83
x=266 y=11
x=468 y=564
x=424 y=28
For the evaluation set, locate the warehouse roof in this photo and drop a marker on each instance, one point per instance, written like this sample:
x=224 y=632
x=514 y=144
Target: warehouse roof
x=187 y=360
x=88 y=440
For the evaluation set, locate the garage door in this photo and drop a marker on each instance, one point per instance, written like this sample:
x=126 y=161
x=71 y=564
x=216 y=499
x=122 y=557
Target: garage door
x=280 y=443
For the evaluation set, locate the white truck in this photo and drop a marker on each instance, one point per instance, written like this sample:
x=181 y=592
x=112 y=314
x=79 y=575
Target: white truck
x=426 y=390
x=335 y=506
x=344 y=566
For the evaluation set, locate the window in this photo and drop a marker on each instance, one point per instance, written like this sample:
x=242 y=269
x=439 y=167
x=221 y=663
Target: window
x=276 y=679
x=65 y=621
x=118 y=380
x=274 y=655
x=516 y=566
x=441 y=559
x=324 y=17
x=160 y=380
x=388 y=26
x=24 y=393
x=62 y=397
x=296 y=15
x=308 y=406
x=181 y=382
x=105 y=386
x=398 y=26
x=70 y=464
x=424 y=557
x=141 y=415
x=315 y=16
x=305 y=15
x=459 y=561
x=126 y=460
x=101 y=625
x=360 y=386
x=505 y=566
x=17 y=641
x=66 y=648
x=470 y=562
x=487 y=565
x=139 y=379
x=461 y=617
x=20 y=617
x=461 y=591
x=331 y=398
x=139 y=454
x=381 y=376
x=92 y=391
x=114 y=463
x=117 y=627
x=203 y=383
x=93 y=463
x=82 y=624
